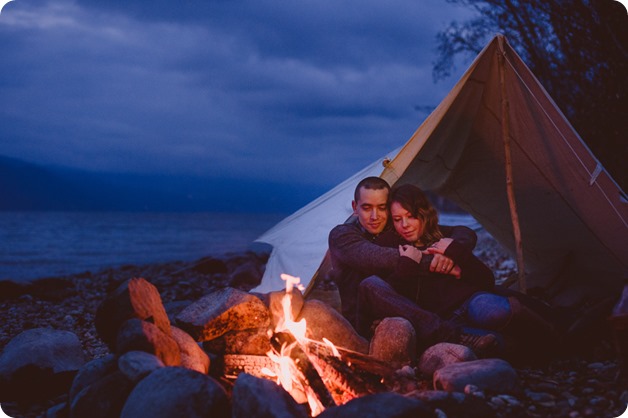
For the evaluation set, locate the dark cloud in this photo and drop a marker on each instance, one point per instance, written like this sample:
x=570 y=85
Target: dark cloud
x=306 y=91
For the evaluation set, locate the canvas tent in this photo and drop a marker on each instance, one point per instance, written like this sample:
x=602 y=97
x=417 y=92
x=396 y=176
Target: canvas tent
x=572 y=216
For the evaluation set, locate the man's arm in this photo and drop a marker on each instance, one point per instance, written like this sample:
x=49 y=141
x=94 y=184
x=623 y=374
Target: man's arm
x=348 y=246
x=461 y=234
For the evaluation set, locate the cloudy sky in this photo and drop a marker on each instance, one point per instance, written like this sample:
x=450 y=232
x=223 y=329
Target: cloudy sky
x=293 y=91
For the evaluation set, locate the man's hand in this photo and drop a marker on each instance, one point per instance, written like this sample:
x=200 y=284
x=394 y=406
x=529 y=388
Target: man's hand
x=439 y=246
x=410 y=252
x=441 y=264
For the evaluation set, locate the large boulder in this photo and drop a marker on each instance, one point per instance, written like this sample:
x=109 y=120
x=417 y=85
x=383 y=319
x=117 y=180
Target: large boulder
x=135 y=298
x=394 y=342
x=487 y=374
x=254 y=397
x=38 y=364
x=222 y=311
x=136 y=334
x=324 y=321
x=177 y=392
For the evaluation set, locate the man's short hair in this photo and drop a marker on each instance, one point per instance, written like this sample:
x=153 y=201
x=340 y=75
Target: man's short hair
x=373 y=183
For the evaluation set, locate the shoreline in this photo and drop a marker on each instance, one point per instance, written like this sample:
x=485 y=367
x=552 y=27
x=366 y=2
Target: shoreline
x=576 y=385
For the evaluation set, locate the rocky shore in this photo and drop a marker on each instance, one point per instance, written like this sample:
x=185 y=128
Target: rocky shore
x=584 y=381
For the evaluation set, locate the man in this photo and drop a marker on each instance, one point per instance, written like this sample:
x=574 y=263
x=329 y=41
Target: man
x=355 y=257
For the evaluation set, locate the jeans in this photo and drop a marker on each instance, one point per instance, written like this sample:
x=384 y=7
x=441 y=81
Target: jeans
x=486 y=311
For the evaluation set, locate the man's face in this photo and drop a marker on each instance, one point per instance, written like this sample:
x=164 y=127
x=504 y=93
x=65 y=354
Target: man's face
x=371 y=209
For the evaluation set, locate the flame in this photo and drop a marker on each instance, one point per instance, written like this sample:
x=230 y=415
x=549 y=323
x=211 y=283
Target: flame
x=332 y=347
x=286 y=371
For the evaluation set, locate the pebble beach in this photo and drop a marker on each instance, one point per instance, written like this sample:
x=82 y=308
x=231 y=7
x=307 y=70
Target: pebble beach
x=585 y=381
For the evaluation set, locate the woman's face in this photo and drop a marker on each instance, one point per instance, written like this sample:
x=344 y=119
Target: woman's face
x=406 y=224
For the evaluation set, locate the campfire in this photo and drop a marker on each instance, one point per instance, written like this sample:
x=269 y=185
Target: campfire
x=314 y=371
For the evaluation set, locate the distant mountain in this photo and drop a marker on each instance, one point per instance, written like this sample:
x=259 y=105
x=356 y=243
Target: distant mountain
x=25 y=186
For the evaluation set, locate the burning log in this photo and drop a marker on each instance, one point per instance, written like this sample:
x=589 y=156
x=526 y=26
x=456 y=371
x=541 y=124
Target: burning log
x=286 y=343
x=349 y=374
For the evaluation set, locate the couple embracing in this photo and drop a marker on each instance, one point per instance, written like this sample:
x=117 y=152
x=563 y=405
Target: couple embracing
x=393 y=259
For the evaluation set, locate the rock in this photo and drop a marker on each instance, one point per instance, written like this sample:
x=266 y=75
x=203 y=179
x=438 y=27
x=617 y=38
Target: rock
x=192 y=356
x=209 y=265
x=174 y=308
x=487 y=374
x=275 y=300
x=39 y=363
x=248 y=274
x=136 y=365
x=135 y=298
x=254 y=397
x=52 y=289
x=136 y=334
x=92 y=372
x=249 y=341
x=222 y=311
x=324 y=321
x=10 y=289
x=394 y=341
x=103 y=398
x=380 y=405
x=443 y=354
x=177 y=392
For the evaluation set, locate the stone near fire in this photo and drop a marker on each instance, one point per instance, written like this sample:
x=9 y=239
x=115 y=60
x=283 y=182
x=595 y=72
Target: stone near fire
x=222 y=311
x=103 y=398
x=177 y=392
x=92 y=372
x=254 y=397
x=39 y=363
x=443 y=354
x=487 y=374
x=394 y=341
x=192 y=356
x=253 y=341
x=276 y=308
x=380 y=405
x=136 y=365
x=135 y=298
x=324 y=321
x=136 y=334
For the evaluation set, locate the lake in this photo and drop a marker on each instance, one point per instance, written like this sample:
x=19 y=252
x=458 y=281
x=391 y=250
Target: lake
x=45 y=244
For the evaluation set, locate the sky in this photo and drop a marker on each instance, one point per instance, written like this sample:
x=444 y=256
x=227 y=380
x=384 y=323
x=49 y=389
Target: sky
x=301 y=91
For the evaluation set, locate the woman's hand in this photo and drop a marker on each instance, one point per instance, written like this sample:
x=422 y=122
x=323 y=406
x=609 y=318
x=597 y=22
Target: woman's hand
x=410 y=252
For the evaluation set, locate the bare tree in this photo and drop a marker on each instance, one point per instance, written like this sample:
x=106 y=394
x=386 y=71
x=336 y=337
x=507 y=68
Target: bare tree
x=578 y=49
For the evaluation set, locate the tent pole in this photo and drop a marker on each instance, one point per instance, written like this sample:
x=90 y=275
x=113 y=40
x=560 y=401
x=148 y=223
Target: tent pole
x=514 y=216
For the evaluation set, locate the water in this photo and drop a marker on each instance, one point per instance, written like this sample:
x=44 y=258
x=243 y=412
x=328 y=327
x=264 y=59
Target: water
x=46 y=244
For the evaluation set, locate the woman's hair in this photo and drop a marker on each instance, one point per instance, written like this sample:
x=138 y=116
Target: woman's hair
x=412 y=199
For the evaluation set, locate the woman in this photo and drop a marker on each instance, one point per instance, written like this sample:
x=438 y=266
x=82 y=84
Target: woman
x=461 y=286
x=458 y=275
